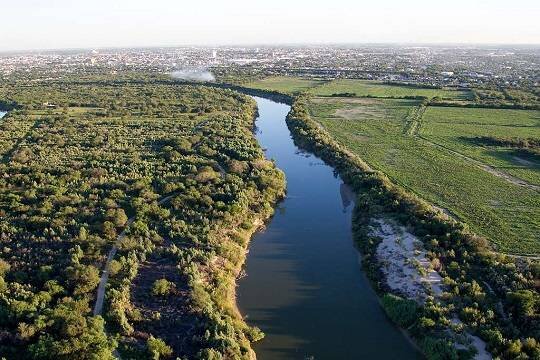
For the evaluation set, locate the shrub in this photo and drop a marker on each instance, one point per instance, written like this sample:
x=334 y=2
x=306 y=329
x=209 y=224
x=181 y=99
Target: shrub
x=403 y=312
x=158 y=348
x=162 y=287
x=438 y=349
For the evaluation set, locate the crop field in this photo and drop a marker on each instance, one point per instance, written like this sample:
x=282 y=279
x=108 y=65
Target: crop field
x=284 y=84
x=375 y=129
x=457 y=129
x=362 y=88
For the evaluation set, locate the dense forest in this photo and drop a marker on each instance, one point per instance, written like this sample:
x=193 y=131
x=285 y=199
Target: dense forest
x=171 y=174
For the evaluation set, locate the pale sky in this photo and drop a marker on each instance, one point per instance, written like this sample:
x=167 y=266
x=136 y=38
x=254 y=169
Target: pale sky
x=56 y=24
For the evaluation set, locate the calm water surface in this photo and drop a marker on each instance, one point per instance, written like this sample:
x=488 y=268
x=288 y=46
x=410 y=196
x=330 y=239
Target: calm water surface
x=304 y=286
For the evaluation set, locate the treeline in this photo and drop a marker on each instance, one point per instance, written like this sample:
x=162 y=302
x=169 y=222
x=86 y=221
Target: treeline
x=520 y=143
x=442 y=103
x=500 y=95
x=7 y=105
x=412 y=85
x=495 y=296
x=269 y=94
x=526 y=147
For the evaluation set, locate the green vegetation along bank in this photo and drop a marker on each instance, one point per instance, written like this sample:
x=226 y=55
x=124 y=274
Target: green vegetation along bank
x=483 y=293
x=492 y=295
x=444 y=145
x=432 y=151
x=80 y=159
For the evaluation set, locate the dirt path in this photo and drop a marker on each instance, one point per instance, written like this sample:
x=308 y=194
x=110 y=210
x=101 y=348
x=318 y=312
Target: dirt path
x=524 y=257
x=414 y=120
x=98 y=307
x=9 y=154
x=100 y=296
x=510 y=178
x=412 y=128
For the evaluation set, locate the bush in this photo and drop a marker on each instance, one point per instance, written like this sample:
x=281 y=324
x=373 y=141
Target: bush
x=163 y=287
x=157 y=348
x=438 y=349
x=403 y=312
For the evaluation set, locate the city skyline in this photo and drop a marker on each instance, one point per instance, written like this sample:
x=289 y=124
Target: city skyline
x=59 y=24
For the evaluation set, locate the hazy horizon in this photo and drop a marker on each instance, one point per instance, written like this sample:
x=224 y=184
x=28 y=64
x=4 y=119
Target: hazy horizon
x=62 y=24
x=277 y=45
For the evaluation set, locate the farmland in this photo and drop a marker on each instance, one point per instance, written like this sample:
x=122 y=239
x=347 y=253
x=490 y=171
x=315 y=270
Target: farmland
x=354 y=88
x=363 y=88
x=88 y=165
x=435 y=151
x=457 y=129
x=284 y=84
x=374 y=129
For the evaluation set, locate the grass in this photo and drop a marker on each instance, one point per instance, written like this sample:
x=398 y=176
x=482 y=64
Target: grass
x=374 y=129
x=362 y=88
x=285 y=84
x=456 y=128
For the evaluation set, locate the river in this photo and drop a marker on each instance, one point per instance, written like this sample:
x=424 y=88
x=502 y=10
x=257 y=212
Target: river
x=304 y=286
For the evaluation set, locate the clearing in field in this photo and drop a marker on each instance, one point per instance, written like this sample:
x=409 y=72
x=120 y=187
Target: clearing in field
x=375 y=129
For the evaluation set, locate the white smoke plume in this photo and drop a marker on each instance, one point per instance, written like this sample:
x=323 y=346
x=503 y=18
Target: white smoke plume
x=200 y=75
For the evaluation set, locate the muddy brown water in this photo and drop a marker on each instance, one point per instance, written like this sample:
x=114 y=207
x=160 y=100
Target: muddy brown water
x=305 y=288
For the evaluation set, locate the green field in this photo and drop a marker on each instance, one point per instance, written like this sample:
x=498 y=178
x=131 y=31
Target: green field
x=456 y=128
x=375 y=129
x=355 y=87
x=434 y=151
x=362 y=88
x=284 y=84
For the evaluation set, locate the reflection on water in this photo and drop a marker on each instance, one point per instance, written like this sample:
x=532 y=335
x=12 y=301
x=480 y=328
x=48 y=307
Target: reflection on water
x=347 y=196
x=304 y=286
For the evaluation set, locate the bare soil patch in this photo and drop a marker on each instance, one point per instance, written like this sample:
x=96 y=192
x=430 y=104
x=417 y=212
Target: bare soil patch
x=409 y=272
x=357 y=113
x=404 y=263
x=175 y=322
x=344 y=100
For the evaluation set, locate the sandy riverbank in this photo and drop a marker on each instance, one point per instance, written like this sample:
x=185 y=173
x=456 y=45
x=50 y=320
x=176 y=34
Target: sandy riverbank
x=410 y=273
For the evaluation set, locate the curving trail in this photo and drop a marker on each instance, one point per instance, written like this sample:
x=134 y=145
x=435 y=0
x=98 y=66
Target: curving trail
x=100 y=296
x=98 y=307
x=493 y=171
x=412 y=128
